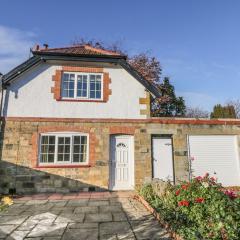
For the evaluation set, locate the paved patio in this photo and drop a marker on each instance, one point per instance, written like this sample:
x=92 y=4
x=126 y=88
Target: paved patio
x=86 y=216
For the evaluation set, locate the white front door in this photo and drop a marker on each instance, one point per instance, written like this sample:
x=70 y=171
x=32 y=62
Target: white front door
x=121 y=163
x=162 y=158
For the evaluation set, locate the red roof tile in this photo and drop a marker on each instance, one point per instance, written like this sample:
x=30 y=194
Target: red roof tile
x=78 y=50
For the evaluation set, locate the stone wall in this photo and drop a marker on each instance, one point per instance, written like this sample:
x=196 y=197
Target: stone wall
x=18 y=171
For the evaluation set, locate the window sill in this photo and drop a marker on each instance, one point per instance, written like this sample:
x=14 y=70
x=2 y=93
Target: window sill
x=81 y=100
x=64 y=166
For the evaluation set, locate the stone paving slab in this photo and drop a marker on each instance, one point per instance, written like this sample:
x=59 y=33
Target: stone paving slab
x=98 y=216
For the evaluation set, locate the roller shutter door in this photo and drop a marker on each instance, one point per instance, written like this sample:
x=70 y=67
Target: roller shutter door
x=217 y=155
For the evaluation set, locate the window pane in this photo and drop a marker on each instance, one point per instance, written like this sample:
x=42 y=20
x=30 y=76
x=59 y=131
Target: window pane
x=60 y=157
x=51 y=148
x=51 y=158
x=68 y=85
x=44 y=148
x=43 y=158
x=51 y=139
x=98 y=94
x=67 y=140
x=76 y=149
x=44 y=139
x=64 y=149
x=61 y=140
x=92 y=94
x=64 y=93
x=47 y=149
x=66 y=157
x=76 y=158
x=83 y=148
x=83 y=140
x=82 y=86
x=79 y=148
x=76 y=139
x=67 y=149
x=60 y=148
x=83 y=158
x=95 y=86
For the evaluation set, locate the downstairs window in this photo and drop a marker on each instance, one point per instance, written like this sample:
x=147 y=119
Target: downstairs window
x=63 y=148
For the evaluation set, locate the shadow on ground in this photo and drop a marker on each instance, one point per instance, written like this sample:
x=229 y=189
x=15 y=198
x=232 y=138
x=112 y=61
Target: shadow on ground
x=90 y=216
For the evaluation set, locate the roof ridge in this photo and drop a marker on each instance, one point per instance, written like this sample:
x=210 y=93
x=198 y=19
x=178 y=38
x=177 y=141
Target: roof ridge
x=84 y=46
x=58 y=48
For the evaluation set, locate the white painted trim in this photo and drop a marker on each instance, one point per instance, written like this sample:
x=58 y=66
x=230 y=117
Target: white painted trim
x=88 y=86
x=162 y=155
x=63 y=134
x=131 y=185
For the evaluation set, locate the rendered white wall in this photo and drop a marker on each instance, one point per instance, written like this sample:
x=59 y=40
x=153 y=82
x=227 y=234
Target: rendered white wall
x=30 y=96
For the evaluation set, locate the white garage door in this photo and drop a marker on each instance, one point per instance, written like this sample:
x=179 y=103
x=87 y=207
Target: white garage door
x=215 y=154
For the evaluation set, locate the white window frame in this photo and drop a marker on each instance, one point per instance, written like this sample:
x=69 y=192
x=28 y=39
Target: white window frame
x=88 y=86
x=63 y=134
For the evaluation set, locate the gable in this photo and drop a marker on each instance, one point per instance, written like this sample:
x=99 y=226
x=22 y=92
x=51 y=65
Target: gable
x=33 y=93
x=43 y=57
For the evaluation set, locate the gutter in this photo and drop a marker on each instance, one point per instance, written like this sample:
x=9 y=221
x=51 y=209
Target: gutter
x=38 y=57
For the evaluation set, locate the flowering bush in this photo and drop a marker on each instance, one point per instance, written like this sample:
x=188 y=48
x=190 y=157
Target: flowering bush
x=201 y=209
x=5 y=201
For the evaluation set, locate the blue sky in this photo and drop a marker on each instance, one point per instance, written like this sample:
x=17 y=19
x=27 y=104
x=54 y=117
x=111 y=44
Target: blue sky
x=197 y=42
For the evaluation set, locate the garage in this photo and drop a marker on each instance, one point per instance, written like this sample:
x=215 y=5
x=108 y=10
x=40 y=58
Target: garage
x=216 y=154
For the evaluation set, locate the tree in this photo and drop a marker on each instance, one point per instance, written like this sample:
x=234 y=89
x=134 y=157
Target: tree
x=168 y=105
x=236 y=105
x=196 y=112
x=149 y=67
x=220 y=111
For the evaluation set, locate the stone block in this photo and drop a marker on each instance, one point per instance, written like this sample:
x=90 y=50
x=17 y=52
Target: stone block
x=98 y=217
x=28 y=185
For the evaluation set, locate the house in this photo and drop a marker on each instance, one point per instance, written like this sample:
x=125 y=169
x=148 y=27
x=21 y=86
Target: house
x=78 y=119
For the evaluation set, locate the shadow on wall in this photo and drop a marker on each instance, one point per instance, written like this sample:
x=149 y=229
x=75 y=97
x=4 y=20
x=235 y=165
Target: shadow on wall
x=18 y=179
x=16 y=86
x=23 y=180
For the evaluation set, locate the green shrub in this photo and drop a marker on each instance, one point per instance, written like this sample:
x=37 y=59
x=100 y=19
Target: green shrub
x=201 y=209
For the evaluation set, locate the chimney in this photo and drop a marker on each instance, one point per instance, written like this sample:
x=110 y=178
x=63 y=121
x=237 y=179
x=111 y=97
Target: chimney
x=36 y=48
x=45 y=46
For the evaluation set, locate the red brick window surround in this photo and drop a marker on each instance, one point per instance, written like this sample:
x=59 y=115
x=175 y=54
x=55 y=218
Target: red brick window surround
x=36 y=151
x=57 y=78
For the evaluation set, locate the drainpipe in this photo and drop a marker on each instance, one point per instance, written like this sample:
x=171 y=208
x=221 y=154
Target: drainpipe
x=1 y=89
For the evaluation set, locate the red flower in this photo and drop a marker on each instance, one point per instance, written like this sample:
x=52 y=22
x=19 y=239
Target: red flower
x=213 y=179
x=199 y=178
x=184 y=187
x=177 y=192
x=230 y=193
x=206 y=175
x=199 y=200
x=183 y=203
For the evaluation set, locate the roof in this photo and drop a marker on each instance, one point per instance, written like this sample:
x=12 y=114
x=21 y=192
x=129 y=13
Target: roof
x=79 y=53
x=77 y=50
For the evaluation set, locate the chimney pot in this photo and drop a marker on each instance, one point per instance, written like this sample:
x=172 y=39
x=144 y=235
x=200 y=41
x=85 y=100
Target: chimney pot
x=36 y=47
x=45 y=45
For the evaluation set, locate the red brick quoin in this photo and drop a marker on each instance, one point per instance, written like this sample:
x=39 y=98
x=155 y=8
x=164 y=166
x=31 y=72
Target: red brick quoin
x=56 y=90
x=93 y=143
x=122 y=130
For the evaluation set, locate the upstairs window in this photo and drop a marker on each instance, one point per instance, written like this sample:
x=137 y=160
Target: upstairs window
x=63 y=148
x=82 y=86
